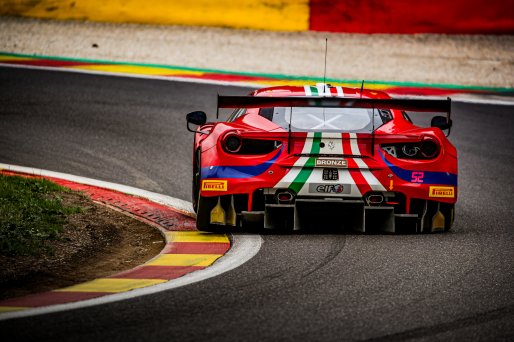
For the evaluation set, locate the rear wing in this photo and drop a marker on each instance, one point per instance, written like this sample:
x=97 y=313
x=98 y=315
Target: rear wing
x=413 y=105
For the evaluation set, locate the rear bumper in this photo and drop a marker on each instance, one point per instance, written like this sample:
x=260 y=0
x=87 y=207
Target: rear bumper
x=339 y=214
x=348 y=214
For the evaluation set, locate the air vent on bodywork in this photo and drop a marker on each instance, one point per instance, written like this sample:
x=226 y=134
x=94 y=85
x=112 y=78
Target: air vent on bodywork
x=428 y=148
x=257 y=146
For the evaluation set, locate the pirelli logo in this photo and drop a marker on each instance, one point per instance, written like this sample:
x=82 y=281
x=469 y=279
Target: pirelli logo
x=214 y=185
x=341 y=163
x=442 y=191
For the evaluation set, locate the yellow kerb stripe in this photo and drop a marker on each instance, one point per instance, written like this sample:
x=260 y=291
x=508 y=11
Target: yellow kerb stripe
x=196 y=236
x=281 y=15
x=184 y=260
x=12 y=308
x=14 y=58
x=112 y=285
x=136 y=69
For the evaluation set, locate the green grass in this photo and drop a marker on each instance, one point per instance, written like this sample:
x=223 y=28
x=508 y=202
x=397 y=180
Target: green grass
x=31 y=213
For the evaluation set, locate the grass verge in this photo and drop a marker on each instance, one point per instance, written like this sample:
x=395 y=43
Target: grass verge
x=31 y=213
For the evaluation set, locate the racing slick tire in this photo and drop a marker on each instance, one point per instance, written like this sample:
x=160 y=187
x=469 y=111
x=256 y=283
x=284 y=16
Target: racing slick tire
x=196 y=179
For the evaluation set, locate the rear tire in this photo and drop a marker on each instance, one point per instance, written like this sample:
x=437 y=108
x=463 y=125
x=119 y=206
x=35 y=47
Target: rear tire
x=197 y=175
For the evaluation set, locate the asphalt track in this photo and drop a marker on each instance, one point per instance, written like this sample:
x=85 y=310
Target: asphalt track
x=313 y=286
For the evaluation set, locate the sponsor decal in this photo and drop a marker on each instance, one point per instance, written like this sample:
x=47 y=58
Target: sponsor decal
x=331 y=145
x=214 y=185
x=341 y=163
x=329 y=188
x=442 y=191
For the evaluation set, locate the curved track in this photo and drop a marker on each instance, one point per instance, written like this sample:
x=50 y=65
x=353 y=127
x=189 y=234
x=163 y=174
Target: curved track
x=312 y=286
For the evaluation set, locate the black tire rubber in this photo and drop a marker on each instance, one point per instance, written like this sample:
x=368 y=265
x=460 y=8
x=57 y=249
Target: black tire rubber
x=195 y=188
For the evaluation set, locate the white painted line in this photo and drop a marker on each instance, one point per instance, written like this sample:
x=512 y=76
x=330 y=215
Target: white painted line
x=243 y=248
x=464 y=98
x=483 y=99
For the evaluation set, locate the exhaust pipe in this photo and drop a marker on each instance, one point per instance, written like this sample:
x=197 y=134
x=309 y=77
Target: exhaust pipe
x=375 y=199
x=284 y=196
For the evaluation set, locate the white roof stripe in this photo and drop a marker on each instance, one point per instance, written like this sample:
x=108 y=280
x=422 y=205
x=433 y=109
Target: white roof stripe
x=323 y=89
x=340 y=91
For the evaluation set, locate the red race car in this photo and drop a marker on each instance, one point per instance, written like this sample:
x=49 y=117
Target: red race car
x=313 y=156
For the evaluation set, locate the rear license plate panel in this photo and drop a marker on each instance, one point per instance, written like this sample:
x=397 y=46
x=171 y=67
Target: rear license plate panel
x=330 y=174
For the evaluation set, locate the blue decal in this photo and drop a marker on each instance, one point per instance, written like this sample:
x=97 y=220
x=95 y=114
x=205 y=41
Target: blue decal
x=429 y=177
x=238 y=171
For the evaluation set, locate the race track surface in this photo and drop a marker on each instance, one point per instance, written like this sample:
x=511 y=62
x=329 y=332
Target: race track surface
x=315 y=286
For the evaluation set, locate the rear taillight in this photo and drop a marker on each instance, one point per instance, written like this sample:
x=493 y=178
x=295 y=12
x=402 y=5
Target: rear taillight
x=232 y=143
x=429 y=148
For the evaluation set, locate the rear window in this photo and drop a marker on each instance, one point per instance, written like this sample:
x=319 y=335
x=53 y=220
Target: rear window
x=320 y=119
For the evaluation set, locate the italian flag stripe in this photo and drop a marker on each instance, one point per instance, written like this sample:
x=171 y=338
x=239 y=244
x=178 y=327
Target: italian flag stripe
x=306 y=171
x=355 y=172
x=310 y=91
